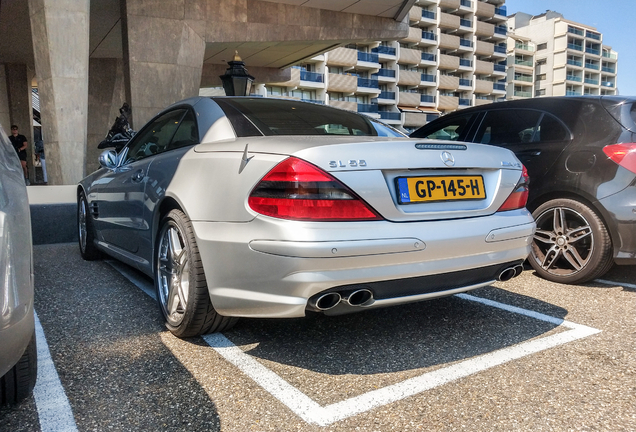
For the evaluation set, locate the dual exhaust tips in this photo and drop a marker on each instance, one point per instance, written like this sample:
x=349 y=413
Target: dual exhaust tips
x=510 y=272
x=330 y=300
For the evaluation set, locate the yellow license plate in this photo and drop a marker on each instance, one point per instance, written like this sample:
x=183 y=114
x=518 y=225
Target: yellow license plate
x=440 y=188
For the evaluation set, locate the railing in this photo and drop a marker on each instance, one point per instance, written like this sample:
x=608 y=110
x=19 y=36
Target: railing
x=387 y=95
x=465 y=62
x=593 y=35
x=609 y=54
x=526 y=94
x=429 y=57
x=367 y=108
x=427 y=98
x=502 y=30
x=429 y=78
x=465 y=23
x=501 y=49
x=316 y=101
x=573 y=78
x=466 y=42
x=575 y=31
x=525 y=78
x=499 y=86
x=573 y=62
x=575 y=47
x=466 y=3
x=572 y=93
x=607 y=84
x=499 y=68
x=608 y=69
x=382 y=49
x=501 y=11
x=428 y=14
x=465 y=82
x=368 y=83
x=591 y=81
x=523 y=62
x=311 y=76
x=525 y=47
x=388 y=115
x=592 y=66
x=464 y=102
x=390 y=73
x=592 y=51
x=428 y=35
x=368 y=57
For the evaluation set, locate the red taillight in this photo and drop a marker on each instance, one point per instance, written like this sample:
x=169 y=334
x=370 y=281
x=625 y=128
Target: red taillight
x=519 y=197
x=297 y=190
x=622 y=154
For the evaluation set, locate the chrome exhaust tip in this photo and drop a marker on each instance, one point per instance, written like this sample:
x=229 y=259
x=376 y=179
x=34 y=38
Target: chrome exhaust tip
x=359 y=297
x=326 y=301
x=507 y=274
x=518 y=270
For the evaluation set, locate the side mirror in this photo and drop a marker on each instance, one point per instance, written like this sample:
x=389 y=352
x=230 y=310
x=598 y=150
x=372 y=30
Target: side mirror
x=108 y=159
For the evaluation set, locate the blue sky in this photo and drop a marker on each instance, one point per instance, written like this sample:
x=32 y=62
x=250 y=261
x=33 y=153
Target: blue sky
x=615 y=19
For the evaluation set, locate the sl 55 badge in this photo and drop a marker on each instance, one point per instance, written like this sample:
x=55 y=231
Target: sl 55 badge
x=349 y=163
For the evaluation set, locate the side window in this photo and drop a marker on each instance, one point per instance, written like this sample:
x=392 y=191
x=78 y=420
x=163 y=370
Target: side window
x=550 y=129
x=187 y=133
x=154 y=137
x=503 y=127
x=454 y=129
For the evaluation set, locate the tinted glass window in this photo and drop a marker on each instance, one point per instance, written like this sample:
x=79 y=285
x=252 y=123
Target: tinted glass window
x=453 y=129
x=508 y=127
x=187 y=132
x=550 y=129
x=288 y=117
x=633 y=112
x=155 y=137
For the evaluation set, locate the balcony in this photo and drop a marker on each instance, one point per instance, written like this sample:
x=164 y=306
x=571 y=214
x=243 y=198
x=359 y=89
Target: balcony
x=427 y=98
x=448 y=62
x=465 y=42
x=409 y=78
x=464 y=102
x=312 y=76
x=608 y=69
x=465 y=62
x=484 y=67
x=501 y=49
x=575 y=31
x=499 y=68
x=572 y=93
x=409 y=99
x=466 y=23
x=367 y=108
x=368 y=57
x=429 y=57
x=484 y=48
x=449 y=21
x=448 y=102
x=573 y=78
x=610 y=55
x=575 y=47
x=525 y=47
x=447 y=41
x=501 y=30
x=592 y=35
x=525 y=78
x=525 y=94
x=607 y=84
x=466 y=3
x=591 y=81
x=428 y=78
x=501 y=11
x=593 y=51
x=448 y=82
x=368 y=83
x=573 y=62
x=341 y=56
x=388 y=115
x=386 y=73
x=428 y=14
x=409 y=56
x=342 y=83
x=484 y=10
x=316 y=101
x=465 y=82
x=499 y=86
x=383 y=50
x=429 y=35
x=594 y=66
x=387 y=95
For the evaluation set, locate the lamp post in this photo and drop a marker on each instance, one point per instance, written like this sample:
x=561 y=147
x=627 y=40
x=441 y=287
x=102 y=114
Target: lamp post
x=236 y=80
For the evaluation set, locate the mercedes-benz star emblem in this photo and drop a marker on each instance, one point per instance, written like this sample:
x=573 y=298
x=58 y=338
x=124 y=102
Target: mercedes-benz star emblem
x=448 y=159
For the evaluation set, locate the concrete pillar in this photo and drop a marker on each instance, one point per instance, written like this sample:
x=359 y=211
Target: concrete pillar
x=106 y=94
x=60 y=45
x=20 y=112
x=164 y=46
x=5 y=116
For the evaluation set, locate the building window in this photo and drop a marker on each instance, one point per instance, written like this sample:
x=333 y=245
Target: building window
x=542 y=46
x=276 y=91
x=541 y=61
x=540 y=92
x=541 y=77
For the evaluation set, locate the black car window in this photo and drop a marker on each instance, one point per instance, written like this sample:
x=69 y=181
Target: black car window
x=154 y=137
x=514 y=126
x=454 y=128
x=550 y=129
x=187 y=133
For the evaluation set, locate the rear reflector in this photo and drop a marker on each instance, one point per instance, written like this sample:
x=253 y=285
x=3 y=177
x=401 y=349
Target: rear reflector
x=622 y=154
x=297 y=190
x=519 y=197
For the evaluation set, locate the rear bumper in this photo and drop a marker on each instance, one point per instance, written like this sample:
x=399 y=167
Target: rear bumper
x=621 y=210
x=270 y=268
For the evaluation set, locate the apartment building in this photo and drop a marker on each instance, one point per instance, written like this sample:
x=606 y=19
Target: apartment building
x=454 y=57
x=551 y=56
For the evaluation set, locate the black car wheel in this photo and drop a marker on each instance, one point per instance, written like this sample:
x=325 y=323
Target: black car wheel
x=18 y=383
x=180 y=282
x=85 y=230
x=571 y=244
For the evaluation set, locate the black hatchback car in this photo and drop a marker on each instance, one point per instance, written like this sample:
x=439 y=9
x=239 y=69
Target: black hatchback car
x=580 y=153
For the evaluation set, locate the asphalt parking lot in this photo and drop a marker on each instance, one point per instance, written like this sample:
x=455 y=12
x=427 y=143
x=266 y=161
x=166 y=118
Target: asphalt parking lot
x=522 y=355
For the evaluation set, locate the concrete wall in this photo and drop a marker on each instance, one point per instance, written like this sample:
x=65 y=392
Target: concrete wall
x=5 y=116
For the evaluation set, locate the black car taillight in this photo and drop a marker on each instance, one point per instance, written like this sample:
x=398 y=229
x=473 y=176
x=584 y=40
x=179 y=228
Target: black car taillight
x=622 y=154
x=519 y=197
x=297 y=190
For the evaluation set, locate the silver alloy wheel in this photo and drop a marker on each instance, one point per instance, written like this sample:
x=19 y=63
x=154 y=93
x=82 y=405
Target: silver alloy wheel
x=173 y=273
x=563 y=243
x=81 y=224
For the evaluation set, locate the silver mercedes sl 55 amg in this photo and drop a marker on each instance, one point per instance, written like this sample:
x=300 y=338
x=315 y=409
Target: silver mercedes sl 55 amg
x=263 y=207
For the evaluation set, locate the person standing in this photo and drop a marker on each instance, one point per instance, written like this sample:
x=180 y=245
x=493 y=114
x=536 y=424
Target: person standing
x=38 y=145
x=20 y=145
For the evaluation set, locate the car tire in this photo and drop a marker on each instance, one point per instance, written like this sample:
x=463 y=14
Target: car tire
x=18 y=383
x=572 y=244
x=86 y=231
x=180 y=283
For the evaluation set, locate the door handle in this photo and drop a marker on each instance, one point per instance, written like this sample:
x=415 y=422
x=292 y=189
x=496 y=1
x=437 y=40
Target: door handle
x=138 y=176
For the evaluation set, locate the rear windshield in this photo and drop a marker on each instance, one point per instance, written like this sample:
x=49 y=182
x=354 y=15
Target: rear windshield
x=267 y=116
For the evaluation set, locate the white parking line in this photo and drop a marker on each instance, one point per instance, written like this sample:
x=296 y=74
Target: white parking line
x=311 y=412
x=606 y=282
x=54 y=409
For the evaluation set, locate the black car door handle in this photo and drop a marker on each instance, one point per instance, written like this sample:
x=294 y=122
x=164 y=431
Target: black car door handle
x=138 y=176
